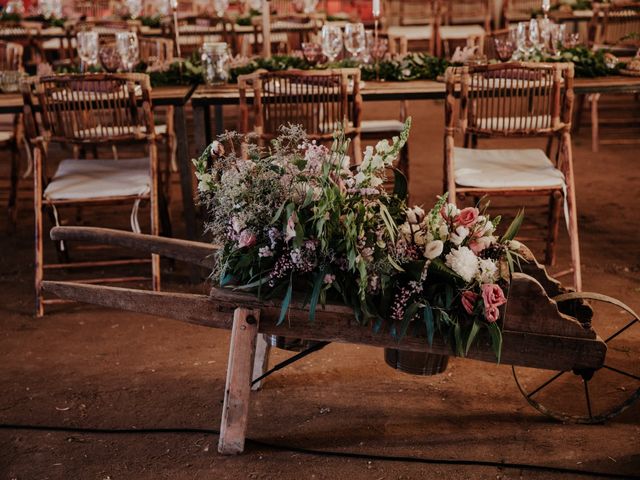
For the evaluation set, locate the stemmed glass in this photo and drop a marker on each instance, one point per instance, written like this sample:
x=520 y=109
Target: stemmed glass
x=309 y=6
x=127 y=46
x=534 y=34
x=505 y=46
x=51 y=8
x=558 y=35
x=87 y=42
x=220 y=6
x=134 y=7
x=354 y=38
x=525 y=41
x=331 y=38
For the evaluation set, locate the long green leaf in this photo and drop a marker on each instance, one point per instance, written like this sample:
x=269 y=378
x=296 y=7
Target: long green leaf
x=315 y=295
x=475 y=328
x=513 y=229
x=457 y=334
x=400 y=187
x=285 y=303
x=427 y=315
x=496 y=339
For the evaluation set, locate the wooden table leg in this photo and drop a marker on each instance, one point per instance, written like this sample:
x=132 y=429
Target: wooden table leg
x=186 y=178
x=261 y=360
x=219 y=114
x=201 y=123
x=235 y=410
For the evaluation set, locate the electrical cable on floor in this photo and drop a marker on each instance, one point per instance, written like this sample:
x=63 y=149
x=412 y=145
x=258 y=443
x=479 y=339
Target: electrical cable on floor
x=328 y=453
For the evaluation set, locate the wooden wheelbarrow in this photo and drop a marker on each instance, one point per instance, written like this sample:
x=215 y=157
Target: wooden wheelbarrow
x=539 y=332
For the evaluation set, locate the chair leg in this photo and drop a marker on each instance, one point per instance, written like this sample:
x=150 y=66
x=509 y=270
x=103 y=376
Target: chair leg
x=577 y=121
x=39 y=241
x=595 y=134
x=13 y=191
x=555 y=206
x=573 y=213
x=155 y=215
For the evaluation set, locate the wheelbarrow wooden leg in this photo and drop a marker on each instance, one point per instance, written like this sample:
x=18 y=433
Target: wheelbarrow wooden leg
x=261 y=360
x=235 y=410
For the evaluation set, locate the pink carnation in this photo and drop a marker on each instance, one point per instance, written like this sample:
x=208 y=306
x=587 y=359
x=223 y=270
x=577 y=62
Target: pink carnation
x=468 y=300
x=467 y=217
x=246 y=239
x=493 y=297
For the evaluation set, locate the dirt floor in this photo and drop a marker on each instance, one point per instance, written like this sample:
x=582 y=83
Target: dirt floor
x=82 y=366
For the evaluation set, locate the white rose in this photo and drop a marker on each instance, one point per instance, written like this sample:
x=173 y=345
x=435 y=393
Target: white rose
x=488 y=271
x=464 y=262
x=459 y=235
x=433 y=249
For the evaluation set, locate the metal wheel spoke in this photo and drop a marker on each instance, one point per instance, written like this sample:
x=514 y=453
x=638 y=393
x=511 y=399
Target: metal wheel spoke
x=552 y=379
x=621 y=330
x=586 y=394
x=622 y=372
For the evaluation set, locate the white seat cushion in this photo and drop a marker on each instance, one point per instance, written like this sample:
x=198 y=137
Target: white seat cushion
x=413 y=32
x=377 y=126
x=5 y=136
x=81 y=179
x=505 y=168
x=111 y=131
x=460 y=32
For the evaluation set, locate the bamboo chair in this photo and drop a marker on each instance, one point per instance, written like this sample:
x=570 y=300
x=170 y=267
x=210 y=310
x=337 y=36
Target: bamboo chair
x=514 y=11
x=11 y=138
x=288 y=33
x=194 y=30
x=463 y=20
x=613 y=27
x=386 y=128
x=419 y=22
x=320 y=101
x=515 y=100
x=92 y=9
x=84 y=110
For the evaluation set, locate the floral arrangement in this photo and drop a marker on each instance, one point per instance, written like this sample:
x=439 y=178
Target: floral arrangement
x=296 y=217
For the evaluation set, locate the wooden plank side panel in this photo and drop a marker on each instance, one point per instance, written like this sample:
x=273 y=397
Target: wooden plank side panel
x=235 y=411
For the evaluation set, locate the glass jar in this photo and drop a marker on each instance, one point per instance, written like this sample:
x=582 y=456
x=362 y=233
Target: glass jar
x=215 y=63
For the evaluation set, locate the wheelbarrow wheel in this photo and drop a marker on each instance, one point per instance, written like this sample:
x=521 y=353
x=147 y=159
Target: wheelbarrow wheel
x=591 y=396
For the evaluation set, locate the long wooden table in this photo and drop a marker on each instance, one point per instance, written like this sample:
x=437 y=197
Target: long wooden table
x=176 y=97
x=217 y=97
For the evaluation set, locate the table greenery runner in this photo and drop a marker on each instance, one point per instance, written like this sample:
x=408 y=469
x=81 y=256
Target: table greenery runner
x=414 y=66
x=295 y=218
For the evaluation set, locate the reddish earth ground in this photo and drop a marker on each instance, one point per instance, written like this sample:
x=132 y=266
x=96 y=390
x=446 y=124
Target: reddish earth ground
x=82 y=366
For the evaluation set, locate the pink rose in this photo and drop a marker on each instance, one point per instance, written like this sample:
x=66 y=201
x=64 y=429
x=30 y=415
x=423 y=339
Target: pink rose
x=468 y=300
x=477 y=245
x=467 y=217
x=493 y=297
x=491 y=314
x=246 y=239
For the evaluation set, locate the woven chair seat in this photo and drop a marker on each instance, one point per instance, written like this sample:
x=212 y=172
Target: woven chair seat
x=91 y=179
x=505 y=168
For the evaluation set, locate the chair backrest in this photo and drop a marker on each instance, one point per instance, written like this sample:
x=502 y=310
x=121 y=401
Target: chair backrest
x=89 y=108
x=155 y=51
x=511 y=99
x=465 y=12
x=105 y=27
x=615 y=24
x=93 y=8
x=194 y=30
x=521 y=9
x=318 y=100
x=11 y=56
x=488 y=43
x=418 y=12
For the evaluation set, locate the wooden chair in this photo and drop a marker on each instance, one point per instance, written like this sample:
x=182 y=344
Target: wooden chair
x=320 y=101
x=388 y=127
x=614 y=27
x=418 y=21
x=92 y=9
x=514 y=11
x=87 y=110
x=12 y=136
x=462 y=20
x=514 y=100
x=194 y=30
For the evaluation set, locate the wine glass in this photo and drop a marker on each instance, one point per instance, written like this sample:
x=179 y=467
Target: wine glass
x=127 y=46
x=134 y=7
x=558 y=35
x=505 y=46
x=312 y=52
x=331 y=38
x=87 y=43
x=573 y=40
x=309 y=6
x=220 y=6
x=354 y=38
x=534 y=34
x=525 y=45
